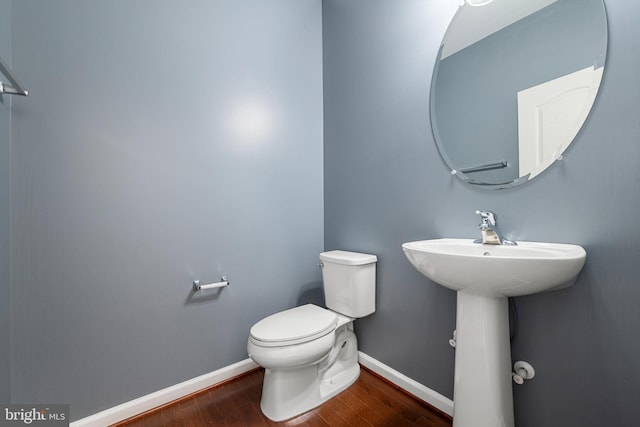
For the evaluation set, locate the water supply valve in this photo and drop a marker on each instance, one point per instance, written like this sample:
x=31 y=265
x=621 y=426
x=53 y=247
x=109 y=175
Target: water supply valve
x=522 y=371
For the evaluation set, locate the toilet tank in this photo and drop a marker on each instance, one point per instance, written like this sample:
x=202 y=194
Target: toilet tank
x=349 y=280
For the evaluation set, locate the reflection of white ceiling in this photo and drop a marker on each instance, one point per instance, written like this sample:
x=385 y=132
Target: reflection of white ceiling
x=473 y=23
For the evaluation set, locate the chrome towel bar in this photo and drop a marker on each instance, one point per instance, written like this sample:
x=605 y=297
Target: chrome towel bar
x=14 y=88
x=485 y=167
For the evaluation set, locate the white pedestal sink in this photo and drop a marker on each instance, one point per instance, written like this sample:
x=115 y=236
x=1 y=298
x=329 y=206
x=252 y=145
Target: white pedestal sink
x=484 y=276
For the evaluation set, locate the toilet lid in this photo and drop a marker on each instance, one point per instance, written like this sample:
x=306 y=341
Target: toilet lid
x=294 y=326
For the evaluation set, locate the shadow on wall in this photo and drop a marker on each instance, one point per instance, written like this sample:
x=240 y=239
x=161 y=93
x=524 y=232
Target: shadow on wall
x=202 y=297
x=311 y=293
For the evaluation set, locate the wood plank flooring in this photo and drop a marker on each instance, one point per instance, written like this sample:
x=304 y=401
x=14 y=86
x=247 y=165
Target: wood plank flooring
x=370 y=401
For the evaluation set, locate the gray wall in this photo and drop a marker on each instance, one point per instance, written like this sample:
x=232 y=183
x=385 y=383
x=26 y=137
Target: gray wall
x=385 y=184
x=162 y=142
x=5 y=145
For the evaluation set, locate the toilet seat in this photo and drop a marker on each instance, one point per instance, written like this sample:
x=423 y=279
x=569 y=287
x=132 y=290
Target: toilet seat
x=294 y=326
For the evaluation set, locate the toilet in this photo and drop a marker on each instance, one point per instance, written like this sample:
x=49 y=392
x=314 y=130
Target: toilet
x=310 y=353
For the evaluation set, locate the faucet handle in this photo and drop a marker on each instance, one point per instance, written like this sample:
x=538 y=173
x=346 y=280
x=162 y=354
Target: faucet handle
x=488 y=217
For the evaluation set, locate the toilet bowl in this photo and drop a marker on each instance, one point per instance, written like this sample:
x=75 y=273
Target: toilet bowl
x=305 y=368
x=310 y=353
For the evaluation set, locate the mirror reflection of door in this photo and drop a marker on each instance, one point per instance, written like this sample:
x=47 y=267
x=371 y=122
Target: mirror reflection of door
x=550 y=115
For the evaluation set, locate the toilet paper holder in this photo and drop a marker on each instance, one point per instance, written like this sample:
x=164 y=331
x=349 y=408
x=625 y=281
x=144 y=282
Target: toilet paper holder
x=224 y=282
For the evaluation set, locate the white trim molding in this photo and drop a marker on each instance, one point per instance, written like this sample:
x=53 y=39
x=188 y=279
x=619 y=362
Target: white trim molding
x=175 y=392
x=413 y=387
x=164 y=396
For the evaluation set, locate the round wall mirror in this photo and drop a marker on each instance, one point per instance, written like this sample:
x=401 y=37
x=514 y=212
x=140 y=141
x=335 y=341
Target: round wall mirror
x=513 y=84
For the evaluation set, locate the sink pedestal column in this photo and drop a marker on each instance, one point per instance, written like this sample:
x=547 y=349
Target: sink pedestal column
x=482 y=392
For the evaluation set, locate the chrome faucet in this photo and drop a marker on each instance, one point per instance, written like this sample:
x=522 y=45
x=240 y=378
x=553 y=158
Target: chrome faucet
x=489 y=228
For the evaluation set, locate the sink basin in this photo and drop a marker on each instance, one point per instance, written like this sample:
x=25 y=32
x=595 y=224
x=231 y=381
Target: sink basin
x=496 y=270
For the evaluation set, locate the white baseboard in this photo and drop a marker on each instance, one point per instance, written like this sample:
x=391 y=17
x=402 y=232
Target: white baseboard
x=164 y=396
x=422 y=392
x=169 y=394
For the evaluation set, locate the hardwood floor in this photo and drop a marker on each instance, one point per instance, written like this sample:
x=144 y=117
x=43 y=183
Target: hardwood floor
x=370 y=401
